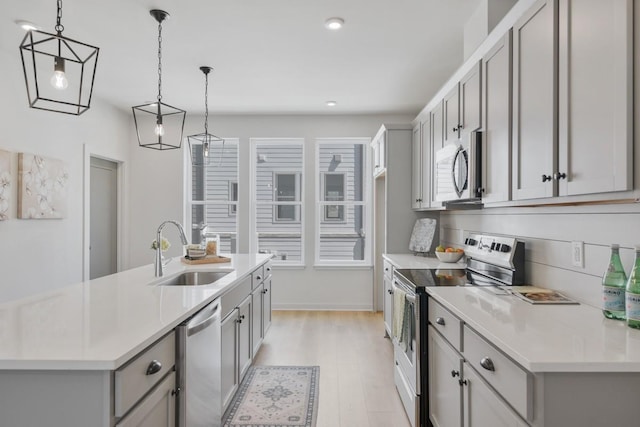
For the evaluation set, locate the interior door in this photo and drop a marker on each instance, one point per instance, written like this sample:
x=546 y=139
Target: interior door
x=103 y=244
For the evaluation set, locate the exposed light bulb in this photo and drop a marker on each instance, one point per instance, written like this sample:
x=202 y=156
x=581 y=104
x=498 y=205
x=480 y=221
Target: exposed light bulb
x=205 y=149
x=159 y=129
x=59 y=79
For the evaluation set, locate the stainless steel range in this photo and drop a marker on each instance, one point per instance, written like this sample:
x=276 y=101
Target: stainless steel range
x=491 y=261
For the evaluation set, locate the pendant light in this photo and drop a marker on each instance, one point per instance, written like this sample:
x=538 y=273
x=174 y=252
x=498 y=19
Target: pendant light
x=200 y=144
x=158 y=125
x=59 y=72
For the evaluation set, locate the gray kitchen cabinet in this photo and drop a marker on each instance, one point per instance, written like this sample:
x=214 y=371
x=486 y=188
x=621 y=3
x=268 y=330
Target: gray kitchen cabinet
x=437 y=142
x=445 y=395
x=487 y=408
x=229 y=357
x=245 y=349
x=595 y=96
x=266 y=306
x=534 y=102
x=387 y=309
x=462 y=108
x=261 y=308
x=496 y=152
x=421 y=165
x=500 y=397
x=158 y=409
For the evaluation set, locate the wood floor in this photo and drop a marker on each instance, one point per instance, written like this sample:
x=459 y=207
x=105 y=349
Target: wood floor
x=356 y=364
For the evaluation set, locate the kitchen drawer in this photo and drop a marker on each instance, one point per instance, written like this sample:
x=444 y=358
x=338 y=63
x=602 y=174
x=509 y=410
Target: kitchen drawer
x=257 y=277
x=509 y=379
x=138 y=376
x=235 y=296
x=408 y=397
x=446 y=323
x=388 y=269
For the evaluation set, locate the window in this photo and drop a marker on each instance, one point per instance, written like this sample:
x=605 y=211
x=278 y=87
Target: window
x=278 y=182
x=333 y=191
x=341 y=195
x=213 y=191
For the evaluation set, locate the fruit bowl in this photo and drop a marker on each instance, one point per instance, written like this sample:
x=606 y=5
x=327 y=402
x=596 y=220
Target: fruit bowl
x=449 y=256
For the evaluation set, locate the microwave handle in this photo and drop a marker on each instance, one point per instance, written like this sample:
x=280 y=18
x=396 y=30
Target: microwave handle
x=475 y=162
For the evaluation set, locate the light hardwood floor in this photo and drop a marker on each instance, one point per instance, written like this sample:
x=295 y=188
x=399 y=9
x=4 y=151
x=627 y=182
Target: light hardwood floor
x=355 y=359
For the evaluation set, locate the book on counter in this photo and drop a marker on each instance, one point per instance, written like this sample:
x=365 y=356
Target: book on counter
x=536 y=295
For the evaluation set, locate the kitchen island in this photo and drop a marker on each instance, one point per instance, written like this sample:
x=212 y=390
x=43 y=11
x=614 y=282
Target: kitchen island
x=62 y=351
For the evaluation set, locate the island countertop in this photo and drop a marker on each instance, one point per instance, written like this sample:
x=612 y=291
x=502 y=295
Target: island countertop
x=102 y=323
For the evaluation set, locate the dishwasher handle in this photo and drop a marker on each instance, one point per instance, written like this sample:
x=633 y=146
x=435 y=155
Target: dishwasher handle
x=197 y=323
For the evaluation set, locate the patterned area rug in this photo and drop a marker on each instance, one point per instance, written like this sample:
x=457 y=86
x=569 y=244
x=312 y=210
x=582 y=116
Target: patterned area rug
x=275 y=396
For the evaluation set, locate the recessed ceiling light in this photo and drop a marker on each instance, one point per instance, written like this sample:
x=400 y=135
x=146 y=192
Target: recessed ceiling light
x=26 y=25
x=334 y=23
x=331 y=103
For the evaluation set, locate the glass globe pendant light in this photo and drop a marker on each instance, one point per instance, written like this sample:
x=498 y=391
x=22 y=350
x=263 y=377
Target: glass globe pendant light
x=200 y=145
x=59 y=72
x=159 y=126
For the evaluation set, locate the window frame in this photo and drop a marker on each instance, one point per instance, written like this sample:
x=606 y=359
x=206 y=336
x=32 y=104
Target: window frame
x=188 y=191
x=297 y=180
x=254 y=144
x=367 y=219
x=323 y=191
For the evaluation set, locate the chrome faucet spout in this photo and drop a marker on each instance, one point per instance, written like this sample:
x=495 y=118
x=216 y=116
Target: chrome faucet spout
x=183 y=237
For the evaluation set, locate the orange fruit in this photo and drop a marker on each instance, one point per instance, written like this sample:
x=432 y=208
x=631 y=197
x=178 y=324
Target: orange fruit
x=449 y=250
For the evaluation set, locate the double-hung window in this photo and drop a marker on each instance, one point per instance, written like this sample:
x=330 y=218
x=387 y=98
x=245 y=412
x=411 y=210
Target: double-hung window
x=342 y=194
x=278 y=183
x=214 y=193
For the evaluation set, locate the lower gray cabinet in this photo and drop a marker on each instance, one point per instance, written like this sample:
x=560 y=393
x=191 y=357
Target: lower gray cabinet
x=256 y=317
x=445 y=398
x=158 y=409
x=266 y=306
x=229 y=361
x=245 y=350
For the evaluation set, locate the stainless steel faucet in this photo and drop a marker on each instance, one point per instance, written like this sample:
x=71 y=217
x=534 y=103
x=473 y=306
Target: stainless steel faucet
x=183 y=237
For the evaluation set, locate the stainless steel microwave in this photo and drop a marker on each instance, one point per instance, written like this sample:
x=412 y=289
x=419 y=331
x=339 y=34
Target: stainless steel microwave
x=459 y=170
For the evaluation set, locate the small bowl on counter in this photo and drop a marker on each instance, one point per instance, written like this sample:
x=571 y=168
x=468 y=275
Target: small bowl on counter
x=449 y=256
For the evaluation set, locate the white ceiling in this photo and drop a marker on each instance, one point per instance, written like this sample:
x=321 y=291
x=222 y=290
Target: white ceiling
x=269 y=56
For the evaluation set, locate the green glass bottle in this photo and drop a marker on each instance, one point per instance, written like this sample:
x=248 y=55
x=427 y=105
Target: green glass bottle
x=613 y=287
x=633 y=293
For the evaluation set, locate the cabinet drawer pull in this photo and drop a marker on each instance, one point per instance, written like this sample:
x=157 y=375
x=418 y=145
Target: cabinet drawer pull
x=487 y=364
x=440 y=321
x=154 y=367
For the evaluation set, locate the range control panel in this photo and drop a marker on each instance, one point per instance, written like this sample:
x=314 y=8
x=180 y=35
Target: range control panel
x=503 y=251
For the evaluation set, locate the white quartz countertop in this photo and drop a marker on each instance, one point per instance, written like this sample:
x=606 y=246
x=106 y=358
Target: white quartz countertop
x=545 y=338
x=417 y=262
x=102 y=323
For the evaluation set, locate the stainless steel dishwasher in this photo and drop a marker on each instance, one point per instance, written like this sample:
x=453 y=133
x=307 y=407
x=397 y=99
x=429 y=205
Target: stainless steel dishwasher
x=199 y=369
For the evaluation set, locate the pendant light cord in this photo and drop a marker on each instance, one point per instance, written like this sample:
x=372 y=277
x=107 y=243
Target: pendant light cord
x=206 y=103
x=159 y=61
x=59 y=26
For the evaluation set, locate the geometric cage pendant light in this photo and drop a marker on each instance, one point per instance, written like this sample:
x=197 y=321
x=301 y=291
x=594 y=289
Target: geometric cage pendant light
x=59 y=72
x=159 y=126
x=200 y=145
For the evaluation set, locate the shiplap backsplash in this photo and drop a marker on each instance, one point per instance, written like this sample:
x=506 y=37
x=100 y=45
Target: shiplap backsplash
x=548 y=233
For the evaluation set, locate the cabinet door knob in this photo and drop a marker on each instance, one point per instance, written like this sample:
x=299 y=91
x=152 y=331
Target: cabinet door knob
x=546 y=178
x=259 y=277
x=559 y=176
x=265 y=291
x=440 y=321
x=268 y=269
x=455 y=373
x=154 y=367
x=487 y=364
x=454 y=129
x=175 y=392
x=463 y=382
x=390 y=291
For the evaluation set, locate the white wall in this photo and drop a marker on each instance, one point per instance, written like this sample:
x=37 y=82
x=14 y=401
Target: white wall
x=157 y=194
x=41 y=255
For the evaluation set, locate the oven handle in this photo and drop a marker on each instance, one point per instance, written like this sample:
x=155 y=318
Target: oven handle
x=409 y=295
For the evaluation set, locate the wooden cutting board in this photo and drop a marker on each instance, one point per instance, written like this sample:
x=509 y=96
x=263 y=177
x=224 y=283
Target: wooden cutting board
x=209 y=259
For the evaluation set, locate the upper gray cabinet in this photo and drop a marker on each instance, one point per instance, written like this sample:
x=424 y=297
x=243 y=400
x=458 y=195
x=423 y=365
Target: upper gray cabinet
x=496 y=73
x=461 y=106
x=572 y=81
x=534 y=102
x=595 y=96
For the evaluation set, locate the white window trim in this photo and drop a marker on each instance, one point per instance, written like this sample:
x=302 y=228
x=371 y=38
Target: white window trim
x=188 y=190
x=366 y=202
x=233 y=207
x=253 y=150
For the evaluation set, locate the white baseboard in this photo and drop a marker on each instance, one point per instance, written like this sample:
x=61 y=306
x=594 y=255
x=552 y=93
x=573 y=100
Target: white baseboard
x=323 y=307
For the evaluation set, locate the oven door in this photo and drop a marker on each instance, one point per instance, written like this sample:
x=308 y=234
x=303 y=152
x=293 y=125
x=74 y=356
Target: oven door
x=407 y=353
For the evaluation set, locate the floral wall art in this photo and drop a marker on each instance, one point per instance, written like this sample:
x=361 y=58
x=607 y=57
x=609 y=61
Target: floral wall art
x=5 y=184
x=42 y=185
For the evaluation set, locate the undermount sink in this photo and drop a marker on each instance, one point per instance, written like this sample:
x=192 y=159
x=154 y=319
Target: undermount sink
x=195 y=278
